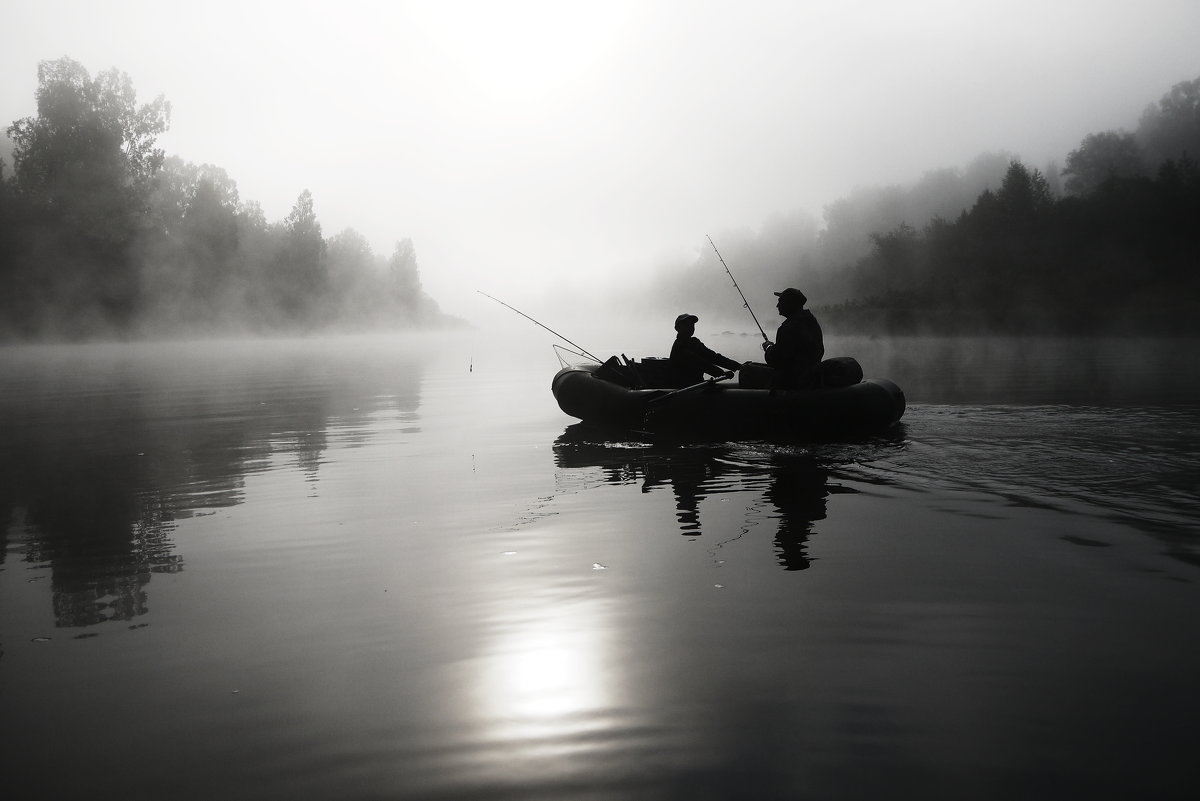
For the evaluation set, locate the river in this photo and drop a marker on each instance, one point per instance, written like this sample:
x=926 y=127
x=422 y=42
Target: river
x=391 y=568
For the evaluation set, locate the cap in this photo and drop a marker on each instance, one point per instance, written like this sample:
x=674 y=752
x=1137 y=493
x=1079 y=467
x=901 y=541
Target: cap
x=792 y=294
x=684 y=319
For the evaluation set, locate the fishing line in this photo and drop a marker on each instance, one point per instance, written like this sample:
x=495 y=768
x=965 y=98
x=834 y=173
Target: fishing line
x=745 y=302
x=582 y=352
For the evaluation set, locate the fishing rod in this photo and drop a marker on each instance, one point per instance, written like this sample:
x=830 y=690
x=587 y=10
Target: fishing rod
x=535 y=322
x=745 y=302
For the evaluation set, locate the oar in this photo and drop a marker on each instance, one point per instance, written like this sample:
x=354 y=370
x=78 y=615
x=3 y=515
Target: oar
x=708 y=382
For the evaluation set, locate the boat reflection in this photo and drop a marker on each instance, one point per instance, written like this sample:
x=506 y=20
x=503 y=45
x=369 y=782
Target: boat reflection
x=792 y=481
x=798 y=490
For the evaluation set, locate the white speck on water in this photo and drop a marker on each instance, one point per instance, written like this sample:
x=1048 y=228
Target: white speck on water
x=598 y=566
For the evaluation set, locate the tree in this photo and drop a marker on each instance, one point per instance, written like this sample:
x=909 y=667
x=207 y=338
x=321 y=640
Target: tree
x=898 y=256
x=351 y=267
x=1170 y=129
x=298 y=282
x=90 y=144
x=190 y=254
x=302 y=222
x=1053 y=179
x=85 y=168
x=1023 y=194
x=9 y=243
x=404 y=275
x=177 y=184
x=945 y=193
x=1099 y=158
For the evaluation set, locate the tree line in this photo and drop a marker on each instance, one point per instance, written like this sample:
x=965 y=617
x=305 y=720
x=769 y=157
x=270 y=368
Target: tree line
x=101 y=234
x=1108 y=245
x=1119 y=252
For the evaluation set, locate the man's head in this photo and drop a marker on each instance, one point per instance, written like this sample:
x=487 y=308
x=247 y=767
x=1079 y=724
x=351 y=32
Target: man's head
x=790 y=301
x=686 y=323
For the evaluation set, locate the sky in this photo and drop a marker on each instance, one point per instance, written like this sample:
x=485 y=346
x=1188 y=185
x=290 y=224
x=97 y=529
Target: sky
x=529 y=145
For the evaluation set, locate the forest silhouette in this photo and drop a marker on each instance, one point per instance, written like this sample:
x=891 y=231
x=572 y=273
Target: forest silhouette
x=103 y=235
x=1121 y=257
x=1109 y=245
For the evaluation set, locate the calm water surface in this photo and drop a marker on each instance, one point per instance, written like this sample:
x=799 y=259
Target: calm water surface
x=391 y=568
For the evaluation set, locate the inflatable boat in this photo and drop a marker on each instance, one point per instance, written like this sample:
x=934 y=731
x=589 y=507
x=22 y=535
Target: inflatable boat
x=638 y=395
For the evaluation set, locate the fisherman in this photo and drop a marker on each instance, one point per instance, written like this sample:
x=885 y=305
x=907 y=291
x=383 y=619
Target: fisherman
x=691 y=359
x=799 y=347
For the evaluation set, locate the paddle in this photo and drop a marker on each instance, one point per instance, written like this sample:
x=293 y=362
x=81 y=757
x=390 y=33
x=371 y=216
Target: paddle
x=709 y=382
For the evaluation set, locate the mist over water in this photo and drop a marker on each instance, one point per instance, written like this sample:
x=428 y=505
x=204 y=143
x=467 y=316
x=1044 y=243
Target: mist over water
x=288 y=509
x=930 y=369
x=108 y=234
x=390 y=565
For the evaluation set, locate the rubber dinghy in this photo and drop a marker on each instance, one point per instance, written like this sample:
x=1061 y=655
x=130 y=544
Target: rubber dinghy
x=638 y=395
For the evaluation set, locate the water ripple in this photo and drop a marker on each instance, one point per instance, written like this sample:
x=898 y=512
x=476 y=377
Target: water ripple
x=1140 y=466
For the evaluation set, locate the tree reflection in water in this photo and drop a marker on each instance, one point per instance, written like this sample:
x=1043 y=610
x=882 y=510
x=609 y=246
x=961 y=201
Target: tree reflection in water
x=792 y=479
x=106 y=449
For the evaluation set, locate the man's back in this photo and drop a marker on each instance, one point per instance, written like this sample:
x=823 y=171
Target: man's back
x=797 y=352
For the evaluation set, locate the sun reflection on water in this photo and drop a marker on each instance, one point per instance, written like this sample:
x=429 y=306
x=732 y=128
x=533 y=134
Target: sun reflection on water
x=543 y=681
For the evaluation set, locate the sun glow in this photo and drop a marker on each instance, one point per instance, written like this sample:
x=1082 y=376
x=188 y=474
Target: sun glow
x=545 y=682
x=544 y=679
x=525 y=50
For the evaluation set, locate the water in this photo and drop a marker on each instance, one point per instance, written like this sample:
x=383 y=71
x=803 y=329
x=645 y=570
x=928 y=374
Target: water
x=391 y=568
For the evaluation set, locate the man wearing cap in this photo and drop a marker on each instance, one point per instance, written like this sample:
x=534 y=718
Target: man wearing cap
x=691 y=359
x=799 y=346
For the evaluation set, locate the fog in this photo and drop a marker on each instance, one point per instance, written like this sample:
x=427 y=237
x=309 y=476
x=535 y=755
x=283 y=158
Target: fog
x=566 y=153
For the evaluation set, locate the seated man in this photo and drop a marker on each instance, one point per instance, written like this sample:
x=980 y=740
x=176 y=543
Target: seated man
x=799 y=347
x=690 y=359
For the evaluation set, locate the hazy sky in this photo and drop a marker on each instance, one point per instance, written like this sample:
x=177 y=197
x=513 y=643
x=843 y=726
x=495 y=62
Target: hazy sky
x=519 y=143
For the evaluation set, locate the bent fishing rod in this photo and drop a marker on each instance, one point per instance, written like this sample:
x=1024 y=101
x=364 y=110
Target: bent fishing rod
x=745 y=302
x=535 y=322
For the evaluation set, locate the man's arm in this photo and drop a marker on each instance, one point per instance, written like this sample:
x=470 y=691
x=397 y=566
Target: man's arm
x=783 y=352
